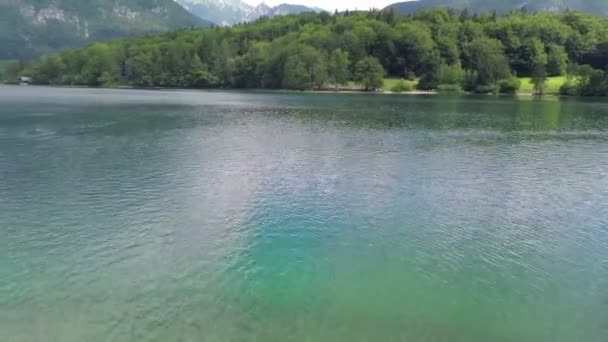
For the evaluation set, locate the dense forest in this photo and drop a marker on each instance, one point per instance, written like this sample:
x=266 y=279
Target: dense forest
x=439 y=49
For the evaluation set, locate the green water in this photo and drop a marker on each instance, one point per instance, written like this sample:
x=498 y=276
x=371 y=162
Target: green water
x=193 y=216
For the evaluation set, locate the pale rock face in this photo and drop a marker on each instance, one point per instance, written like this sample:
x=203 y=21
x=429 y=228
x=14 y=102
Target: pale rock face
x=41 y=16
x=229 y=12
x=125 y=12
x=45 y=26
x=218 y=3
x=222 y=12
x=86 y=29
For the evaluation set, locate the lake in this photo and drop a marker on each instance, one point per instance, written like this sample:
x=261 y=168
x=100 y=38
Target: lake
x=130 y=215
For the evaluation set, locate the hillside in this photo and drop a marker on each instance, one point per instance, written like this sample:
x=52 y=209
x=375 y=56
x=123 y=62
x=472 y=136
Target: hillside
x=440 y=49
x=221 y=12
x=264 y=10
x=230 y=12
x=503 y=6
x=30 y=28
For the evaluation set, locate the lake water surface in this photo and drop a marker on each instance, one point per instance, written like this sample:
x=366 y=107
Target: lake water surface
x=222 y=216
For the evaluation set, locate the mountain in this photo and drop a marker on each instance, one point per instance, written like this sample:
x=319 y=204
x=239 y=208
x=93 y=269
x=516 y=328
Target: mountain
x=30 y=28
x=230 y=12
x=285 y=9
x=263 y=10
x=258 y=12
x=599 y=7
x=221 y=12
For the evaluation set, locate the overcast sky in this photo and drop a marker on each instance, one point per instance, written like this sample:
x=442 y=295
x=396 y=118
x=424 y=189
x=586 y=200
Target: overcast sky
x=331 y=5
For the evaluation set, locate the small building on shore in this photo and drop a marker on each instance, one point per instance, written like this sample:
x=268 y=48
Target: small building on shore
x=24 y=80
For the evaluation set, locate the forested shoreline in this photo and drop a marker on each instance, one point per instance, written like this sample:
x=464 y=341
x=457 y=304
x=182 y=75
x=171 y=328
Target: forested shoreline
x=437 y=49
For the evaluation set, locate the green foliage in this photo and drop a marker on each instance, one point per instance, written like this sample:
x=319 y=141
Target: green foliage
x=470 y=80
x=525 y=55
x=449 y=88
x=557 y=60
x=592 y=82
x=485 y=89
x=338 y=67
x=415 y=45
x=552 y=85
x=312 y=51
x=142 y=70
x=295 y=75
x=370 y=73
x=539 y=78
x=401 y=86
x=509 y=86
x=304 y=68
x=489 y=60
x=100 y=67
x=451 y=74
x=10 y=70
x=199 y=76
x=49 y=71
x=569 y=88
x=587 y=82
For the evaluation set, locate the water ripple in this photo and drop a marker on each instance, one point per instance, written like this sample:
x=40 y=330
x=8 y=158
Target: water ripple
x=234 y=217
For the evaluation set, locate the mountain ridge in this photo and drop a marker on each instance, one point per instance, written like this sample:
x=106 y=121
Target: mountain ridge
x=230 y=12
x=30 y=28
x=503 y=6
x=221 y=12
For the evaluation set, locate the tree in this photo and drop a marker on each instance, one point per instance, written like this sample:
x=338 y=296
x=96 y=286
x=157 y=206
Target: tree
x=525 y=55
x=443 y=74
x=488 y=60
x=539 y=78
x=415 y=47
x=222 y=68
x=451 y=74
x=107 y=79
x=100 y=67
x=14 y=70
x=370 y=73
x=338 y=68
x=436 y=47
x=295 y=74
x=49 y=70
x=316 y=66
x=509 y=86
x=592 y=82
x=557 y=60
x=141 y=70
x=431 y=72
x=250 y=67
x=199 y=75
x=305 y=68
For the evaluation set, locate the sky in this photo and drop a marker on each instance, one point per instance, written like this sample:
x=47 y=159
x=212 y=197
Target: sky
x=331 y=5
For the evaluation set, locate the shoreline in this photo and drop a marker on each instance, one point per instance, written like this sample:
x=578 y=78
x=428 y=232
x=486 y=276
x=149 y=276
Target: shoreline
x=290 y=91
x=309 y=91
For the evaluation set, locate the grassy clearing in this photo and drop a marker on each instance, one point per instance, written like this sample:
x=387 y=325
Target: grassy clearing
x=390 y=83
x=551 y=87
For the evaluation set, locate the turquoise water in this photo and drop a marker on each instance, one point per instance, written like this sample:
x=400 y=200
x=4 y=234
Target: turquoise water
x=193 y=216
